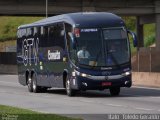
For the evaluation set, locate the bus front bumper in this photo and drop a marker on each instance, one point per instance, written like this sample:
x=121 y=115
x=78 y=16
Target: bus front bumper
x=84 y=83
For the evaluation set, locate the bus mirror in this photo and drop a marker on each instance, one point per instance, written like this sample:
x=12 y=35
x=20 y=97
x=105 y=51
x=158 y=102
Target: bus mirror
x=134 y=37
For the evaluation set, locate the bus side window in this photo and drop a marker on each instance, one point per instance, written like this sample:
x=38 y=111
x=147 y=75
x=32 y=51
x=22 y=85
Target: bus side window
x=71 y=51
x=55 y=37
x=51 y=36
x=20 y=34
x=36 y=31
x=37 y=35
x=43 y=36
x=59 y=36
x=29 y=32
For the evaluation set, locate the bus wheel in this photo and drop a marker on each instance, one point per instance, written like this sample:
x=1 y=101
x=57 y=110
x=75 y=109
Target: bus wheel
x=30 y=85
x=70 y=92
x=114 y=91
x=35 y=87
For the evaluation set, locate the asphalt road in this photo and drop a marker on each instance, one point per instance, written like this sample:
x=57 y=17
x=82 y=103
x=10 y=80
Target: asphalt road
x=90 y=105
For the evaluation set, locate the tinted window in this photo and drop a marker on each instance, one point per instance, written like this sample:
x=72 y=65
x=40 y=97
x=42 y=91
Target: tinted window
x=56 y=35
x=43 y=36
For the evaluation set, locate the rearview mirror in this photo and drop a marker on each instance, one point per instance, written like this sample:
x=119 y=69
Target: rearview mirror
x=134 y=36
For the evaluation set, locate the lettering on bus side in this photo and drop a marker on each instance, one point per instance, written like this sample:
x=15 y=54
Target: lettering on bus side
x=30 y=51
x=55 y=55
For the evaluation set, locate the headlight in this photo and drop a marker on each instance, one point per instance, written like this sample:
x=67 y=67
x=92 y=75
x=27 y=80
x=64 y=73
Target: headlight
x=126 y=73
x=80 y=74
x=83 y=75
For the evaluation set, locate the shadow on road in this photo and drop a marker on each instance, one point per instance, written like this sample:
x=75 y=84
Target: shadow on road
x=140 y=92
x=93 y=93
x=125 y=92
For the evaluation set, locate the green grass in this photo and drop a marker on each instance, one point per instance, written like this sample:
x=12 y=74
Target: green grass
x=9 y=25
x=23 y=114
x=149 y=33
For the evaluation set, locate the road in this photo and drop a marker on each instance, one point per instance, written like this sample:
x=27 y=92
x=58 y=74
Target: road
x=89 y=105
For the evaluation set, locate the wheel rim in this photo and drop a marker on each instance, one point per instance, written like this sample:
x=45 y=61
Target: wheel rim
x=34 y=85
x=29 y=83
x=68 y=87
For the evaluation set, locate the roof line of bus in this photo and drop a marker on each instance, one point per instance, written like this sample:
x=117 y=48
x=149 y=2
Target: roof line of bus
x=68 y=18
x=46 y=22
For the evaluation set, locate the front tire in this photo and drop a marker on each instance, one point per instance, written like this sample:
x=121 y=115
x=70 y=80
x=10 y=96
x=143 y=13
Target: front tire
x=70 y=92
x=30 y=84
x=36 y=88
x=115 y=91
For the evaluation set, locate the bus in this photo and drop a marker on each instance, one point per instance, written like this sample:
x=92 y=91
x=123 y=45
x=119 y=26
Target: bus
x=75 y=51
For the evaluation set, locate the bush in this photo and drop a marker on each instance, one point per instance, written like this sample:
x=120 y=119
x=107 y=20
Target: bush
x=149 y=40
x=130 y=22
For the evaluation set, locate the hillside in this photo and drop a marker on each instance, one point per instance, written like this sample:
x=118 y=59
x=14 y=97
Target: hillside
x=8 y=26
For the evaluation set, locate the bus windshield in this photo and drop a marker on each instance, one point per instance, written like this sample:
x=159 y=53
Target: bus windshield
x=102 y=47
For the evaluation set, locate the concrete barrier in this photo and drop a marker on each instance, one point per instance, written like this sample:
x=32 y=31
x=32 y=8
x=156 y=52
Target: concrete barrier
x=151 y=79
x=8 y=69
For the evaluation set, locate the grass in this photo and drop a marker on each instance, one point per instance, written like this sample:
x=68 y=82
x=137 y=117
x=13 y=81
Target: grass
x=149 y=33
x=9 y=25
x=23 y=114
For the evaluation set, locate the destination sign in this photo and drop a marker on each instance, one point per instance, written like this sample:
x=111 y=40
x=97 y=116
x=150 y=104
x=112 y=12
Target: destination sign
x=89 y=30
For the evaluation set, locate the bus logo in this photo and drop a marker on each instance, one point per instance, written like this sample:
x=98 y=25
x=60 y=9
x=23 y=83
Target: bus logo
x=106 y=73
x=30 y=51
x=54 y=55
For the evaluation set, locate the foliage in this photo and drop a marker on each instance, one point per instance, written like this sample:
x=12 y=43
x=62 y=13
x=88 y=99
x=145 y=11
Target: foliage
x=149 y=32
x=23 y=114
x=130 y=22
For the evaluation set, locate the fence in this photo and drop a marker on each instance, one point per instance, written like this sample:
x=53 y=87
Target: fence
x=146 y=60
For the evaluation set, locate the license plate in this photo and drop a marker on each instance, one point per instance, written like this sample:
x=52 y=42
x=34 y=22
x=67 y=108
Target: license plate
x=106 y=83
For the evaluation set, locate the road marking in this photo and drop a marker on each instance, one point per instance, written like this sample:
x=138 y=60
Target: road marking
x=114 y=105
x=146 y=109
x=87 y=101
